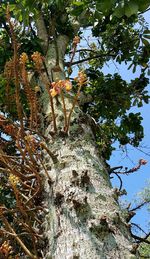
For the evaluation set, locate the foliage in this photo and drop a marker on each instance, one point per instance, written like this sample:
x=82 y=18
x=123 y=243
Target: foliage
x=145 y=195
x=144 y=250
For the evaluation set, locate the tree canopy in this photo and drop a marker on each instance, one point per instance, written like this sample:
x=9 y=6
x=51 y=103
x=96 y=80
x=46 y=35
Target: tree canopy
x=119 y=34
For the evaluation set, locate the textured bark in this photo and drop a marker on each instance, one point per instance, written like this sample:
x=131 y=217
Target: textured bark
x=41 y=31
x=83 y=218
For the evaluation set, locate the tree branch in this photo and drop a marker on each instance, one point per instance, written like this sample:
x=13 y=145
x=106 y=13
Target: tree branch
x=121 y=184
x=134 y=224
x=141 y=239
x=144 y=256
x=89 y=58
x=145 y=11
x=86 y=50
x=140 y=205
x=41 y=31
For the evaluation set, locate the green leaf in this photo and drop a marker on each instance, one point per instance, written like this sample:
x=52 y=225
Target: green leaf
x=119 y=12
x=143 y=4
x=131 y=8
x=105 y=6
x=140 y=104
x=135 y=102
x=146 y=99
x=146 y=32
x=130 y=66
x=134 y=69
x=145 y=42
x=78 y=3
x=146 y=36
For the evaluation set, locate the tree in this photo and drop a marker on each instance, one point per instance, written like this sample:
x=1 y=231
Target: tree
x=57 y=132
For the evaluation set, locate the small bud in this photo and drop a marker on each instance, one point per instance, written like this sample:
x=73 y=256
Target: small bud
x=37 y=89
x=23 y=58
x=67 y=85
x=142 y=161
x=76 y=40
x=53 y=92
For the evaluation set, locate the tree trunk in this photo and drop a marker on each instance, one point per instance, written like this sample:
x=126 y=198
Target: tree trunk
x=83 y=219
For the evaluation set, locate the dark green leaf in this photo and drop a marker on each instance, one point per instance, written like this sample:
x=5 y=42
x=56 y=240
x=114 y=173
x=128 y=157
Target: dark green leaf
x=131 y=8
x=145 y=42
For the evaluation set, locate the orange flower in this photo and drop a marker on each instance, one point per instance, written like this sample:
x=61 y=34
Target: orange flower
x=23 y=58
x=6 y=249
x=67 y=85
x=37 y=89
x=13 y=179
x=76 y=40
x=38 y=60
x=81 y=79
x=142 y=161
x=53 y=92
x=57 y=86
x=60 y=84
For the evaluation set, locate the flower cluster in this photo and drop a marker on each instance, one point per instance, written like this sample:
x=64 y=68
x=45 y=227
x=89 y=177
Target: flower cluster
x=58 y=86
x=38 y=60
x=10 y=130
x=142 y=161
x=29 y=138
x=81 y=79
x=8 y=71
x=14 y=180
x=37 y=89
x=31 y=143
x=5 y=249
x=23 y=58
x=76 y=40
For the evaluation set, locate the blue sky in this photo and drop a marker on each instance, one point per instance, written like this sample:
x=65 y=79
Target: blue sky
x=134 y=183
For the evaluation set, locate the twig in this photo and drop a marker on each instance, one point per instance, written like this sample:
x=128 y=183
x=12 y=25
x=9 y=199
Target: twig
x=26 y=250
x=121 y=184
x=15 y=67
x=90 y=50
x=53 y=157
x=52 y=108
x=140 y=205
x=142 y=239
x=144 y=256
x=87 y=59
x=137 y=226
x=64 y=109
x=111 y=170
x=73 y=105
x=144 y=11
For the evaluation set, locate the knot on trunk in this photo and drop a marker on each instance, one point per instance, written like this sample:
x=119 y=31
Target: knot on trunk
x=82 y=180
x=85 y=179
x=100 y=227
x=58 y=199
x=79 y=202
x=75 y=178
x=130 y=215
x=117 y=193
